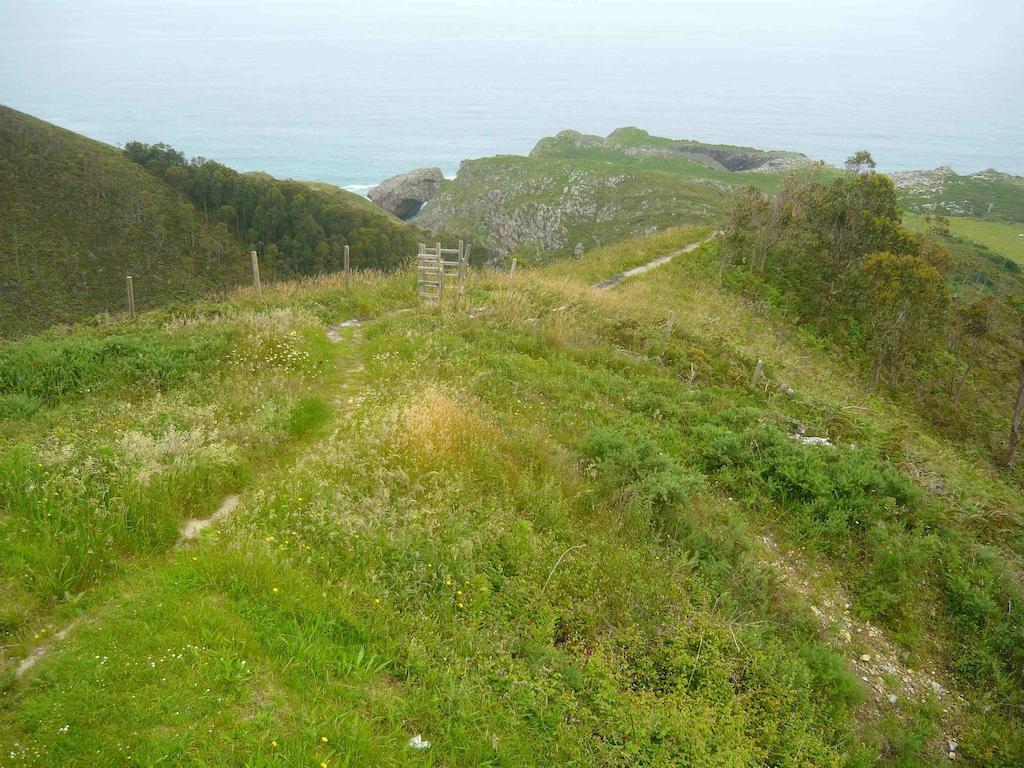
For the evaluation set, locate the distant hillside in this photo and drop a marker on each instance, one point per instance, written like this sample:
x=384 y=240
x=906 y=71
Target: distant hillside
x=988 y=195
x=575 y=192
x=76 y=216
x=299 y=228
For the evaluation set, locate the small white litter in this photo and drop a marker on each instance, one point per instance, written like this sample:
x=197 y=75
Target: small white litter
x=418 y=742
x=806 y=440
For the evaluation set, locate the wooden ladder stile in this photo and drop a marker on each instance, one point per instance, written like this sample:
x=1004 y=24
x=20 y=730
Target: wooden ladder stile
x=434 y=271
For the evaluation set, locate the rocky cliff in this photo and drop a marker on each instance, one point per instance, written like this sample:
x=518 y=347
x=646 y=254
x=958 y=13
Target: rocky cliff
x=575 y=191
x=406 y=194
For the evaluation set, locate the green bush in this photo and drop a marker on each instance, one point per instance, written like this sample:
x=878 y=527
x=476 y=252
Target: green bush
x=641 y=468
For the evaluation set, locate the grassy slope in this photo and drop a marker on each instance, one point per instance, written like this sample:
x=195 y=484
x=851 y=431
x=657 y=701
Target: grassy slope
x=352 y=200
x=76 y=216
x=524 y=534
x=616 y=150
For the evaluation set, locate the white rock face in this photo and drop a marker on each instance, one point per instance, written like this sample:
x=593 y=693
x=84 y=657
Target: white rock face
x=406 y=194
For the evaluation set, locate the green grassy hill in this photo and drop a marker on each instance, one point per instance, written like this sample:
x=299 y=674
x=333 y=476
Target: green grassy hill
x=575 y=192
x=531 y=526
x=76 y=216
x=679 y=521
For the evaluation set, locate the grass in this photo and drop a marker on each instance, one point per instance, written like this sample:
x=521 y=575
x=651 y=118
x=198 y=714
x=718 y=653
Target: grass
x=603 y=262
x=1006 y=240
x=528 y=526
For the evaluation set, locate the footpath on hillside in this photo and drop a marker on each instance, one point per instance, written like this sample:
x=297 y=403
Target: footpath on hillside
x=611 y=282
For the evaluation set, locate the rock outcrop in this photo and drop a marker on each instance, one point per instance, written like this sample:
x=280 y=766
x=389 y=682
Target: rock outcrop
x=404 y=195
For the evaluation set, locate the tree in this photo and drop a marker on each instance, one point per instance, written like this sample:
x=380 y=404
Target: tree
x=1018 y=413
x=306 y=225
x=757 y=224
x=973 y=324
x=903 y=305
x=938 y=225
x=860 y=162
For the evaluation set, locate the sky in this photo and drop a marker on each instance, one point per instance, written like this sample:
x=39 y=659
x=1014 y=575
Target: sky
x=989 y=29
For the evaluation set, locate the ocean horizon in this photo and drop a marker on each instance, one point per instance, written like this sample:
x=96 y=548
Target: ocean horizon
x=356 y=103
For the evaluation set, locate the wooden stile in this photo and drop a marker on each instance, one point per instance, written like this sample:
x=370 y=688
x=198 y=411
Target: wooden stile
x=434 y=271
x=440 y=272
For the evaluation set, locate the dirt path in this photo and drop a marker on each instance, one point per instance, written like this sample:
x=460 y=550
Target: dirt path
x=611 y=282
x=192 y=528
x=40 y=650
x=334 y=331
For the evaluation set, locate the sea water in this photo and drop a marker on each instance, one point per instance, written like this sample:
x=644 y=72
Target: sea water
x=351 y=93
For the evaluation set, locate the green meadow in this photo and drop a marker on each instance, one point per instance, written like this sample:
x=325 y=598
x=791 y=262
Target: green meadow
x=1007 y=240
x=530 y=525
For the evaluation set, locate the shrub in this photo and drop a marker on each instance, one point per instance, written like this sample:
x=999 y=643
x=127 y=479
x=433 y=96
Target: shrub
x=648 y=476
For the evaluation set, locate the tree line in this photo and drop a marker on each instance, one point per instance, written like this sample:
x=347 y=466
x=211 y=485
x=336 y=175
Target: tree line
x=298 y=229
x=840 y=255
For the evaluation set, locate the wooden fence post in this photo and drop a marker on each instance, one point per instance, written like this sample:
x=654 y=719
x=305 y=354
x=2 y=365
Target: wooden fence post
x=256 y=275
x=131 y=297
x=462 y=265
x=512 y=272
x=346 y=268
x=440 y=272
x=758 y=374
x=669 y=322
